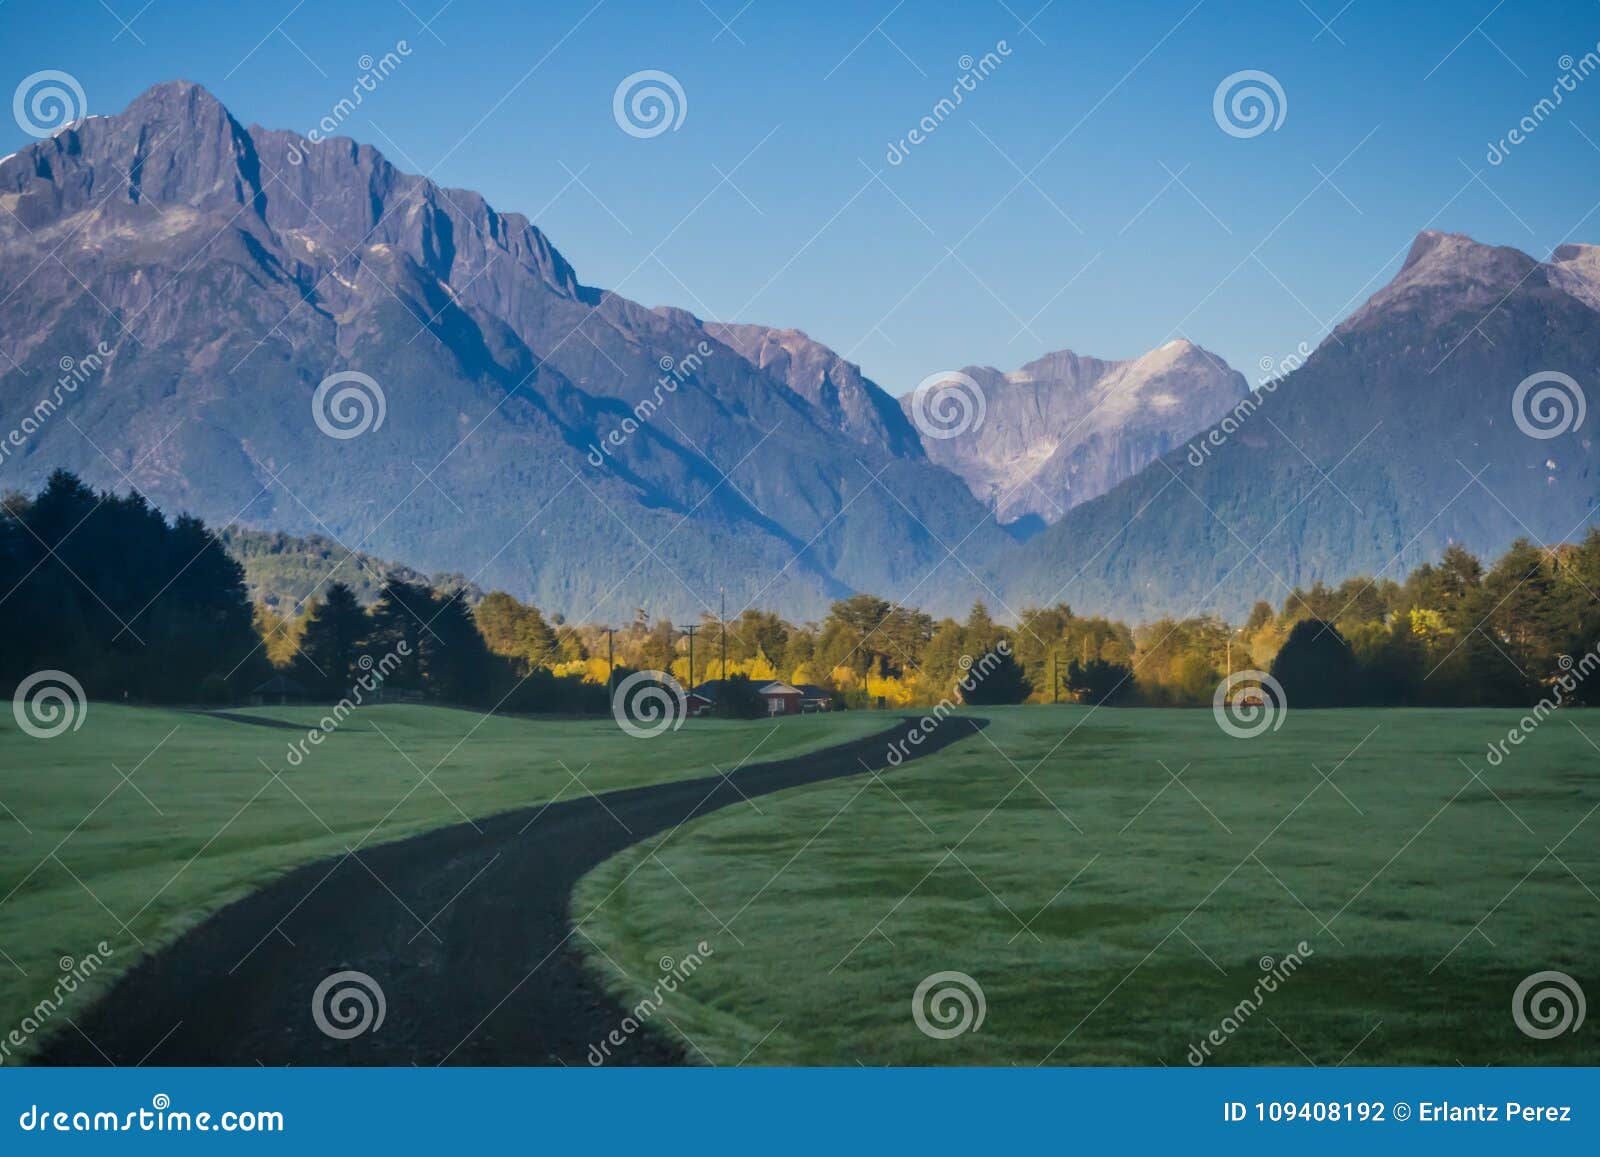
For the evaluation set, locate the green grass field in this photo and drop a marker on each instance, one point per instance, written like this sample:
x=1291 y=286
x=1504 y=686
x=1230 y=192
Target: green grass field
x=1113 y=916
x=89 y=855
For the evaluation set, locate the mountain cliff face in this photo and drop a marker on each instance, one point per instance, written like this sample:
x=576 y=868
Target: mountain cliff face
x=1401 y=434
x=558 y=440
x=855 y=405
x=177 y=289
x=1065 y=429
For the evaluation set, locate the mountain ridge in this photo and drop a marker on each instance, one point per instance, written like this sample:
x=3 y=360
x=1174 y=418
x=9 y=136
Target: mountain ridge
x=1066 y=428
x=1396 y=438
x=251 y=278
x=228 y=280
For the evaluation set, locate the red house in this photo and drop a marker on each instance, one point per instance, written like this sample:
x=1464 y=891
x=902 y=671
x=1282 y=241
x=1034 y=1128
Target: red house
x=782 y=699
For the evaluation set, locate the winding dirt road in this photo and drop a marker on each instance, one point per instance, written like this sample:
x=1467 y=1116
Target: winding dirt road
x=465 y=929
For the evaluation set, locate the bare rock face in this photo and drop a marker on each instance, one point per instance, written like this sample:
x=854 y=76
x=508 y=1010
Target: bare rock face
x=176 y=286
x=1065 y=429
x=532 y=436
x=1576 y=269
x=853 y=404
x=1400 y=435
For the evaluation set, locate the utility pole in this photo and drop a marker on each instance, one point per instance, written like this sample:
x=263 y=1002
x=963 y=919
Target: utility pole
x=611 y=663
x=690 y=632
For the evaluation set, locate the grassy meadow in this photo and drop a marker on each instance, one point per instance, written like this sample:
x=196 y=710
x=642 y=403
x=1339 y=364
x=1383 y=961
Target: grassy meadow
x=89 y=855
x=1113 y=914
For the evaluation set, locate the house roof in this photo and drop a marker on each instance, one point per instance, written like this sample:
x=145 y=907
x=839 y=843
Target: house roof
x=709 y=690
x=779 y=687
x=813 y=691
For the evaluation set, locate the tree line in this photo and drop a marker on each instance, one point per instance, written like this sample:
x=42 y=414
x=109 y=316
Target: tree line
x=136 y=607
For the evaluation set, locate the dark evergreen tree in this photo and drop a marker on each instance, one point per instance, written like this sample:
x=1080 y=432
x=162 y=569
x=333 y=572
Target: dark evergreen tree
x=1098 y=681
x=335 y=636
x=1316 y=667
x=993 y=679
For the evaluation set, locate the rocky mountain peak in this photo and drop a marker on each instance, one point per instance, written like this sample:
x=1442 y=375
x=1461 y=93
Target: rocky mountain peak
x=851 y=402
x=1447 y=273
x=1065 y=428
x=1576 y=269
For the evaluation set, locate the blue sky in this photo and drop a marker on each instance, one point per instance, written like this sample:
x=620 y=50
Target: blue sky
x=1139 y=219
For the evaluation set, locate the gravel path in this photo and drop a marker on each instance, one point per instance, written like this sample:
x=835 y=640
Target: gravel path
x=466 y=930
